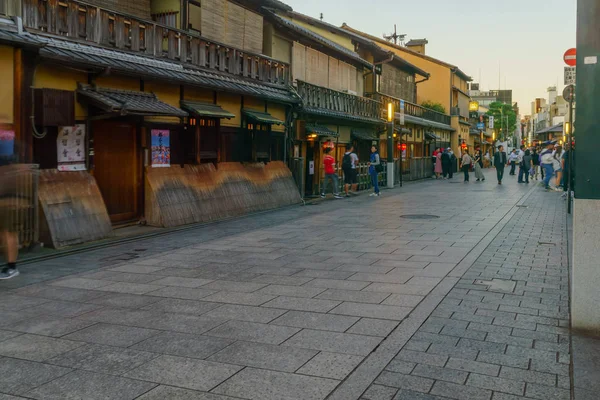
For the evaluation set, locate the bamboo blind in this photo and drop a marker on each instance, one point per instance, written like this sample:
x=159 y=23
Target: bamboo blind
x=323 y=70
x=298 y=62
x=312 y=65
x=334 y=74
x=213 y=19
x=253 y=32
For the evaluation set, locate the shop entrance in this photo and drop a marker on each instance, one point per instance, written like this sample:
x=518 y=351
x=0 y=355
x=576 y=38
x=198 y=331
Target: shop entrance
x=116 y=169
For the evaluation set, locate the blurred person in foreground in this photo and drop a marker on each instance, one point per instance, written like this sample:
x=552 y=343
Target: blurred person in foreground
x=9 y=238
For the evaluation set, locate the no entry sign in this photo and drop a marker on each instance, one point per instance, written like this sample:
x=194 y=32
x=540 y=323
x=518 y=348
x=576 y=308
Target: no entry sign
x=570 y=57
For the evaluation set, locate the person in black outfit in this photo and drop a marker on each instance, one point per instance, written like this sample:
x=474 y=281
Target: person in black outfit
x=499 y=163
x=445 y=163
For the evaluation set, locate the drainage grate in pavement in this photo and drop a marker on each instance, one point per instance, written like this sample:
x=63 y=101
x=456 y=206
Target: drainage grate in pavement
x=419 y=216
x=522 y=206
x=547 y=243
x=498 y=285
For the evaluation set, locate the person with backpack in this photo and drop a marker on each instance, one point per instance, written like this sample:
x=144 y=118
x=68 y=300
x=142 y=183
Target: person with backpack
x=525 y=167
x=330 y=174
x=349 y=165
x=547 y=162
x=466 y=162
x=375 y=168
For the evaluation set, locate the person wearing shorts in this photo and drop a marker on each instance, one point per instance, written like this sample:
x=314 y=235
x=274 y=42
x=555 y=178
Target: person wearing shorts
x=9 y=238
x=350 y=168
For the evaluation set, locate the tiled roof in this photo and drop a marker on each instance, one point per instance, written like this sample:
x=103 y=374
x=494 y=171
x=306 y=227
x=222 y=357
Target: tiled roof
x=205 y=109
x=320 y=130
x=341 y=115
x=363 y=134
x=9 y=33
x=262 y=117
x=138 y=65
x=127 y=102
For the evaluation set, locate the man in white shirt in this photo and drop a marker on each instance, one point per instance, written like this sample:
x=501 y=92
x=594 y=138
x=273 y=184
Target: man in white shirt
x=513 y=158
x=349 y=166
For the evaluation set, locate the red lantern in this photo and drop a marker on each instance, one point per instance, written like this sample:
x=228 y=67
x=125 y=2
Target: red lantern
x=403 y=147
x=463 y=145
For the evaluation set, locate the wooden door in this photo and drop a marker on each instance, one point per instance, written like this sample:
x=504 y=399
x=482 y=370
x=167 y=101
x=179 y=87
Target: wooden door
x=117 y=168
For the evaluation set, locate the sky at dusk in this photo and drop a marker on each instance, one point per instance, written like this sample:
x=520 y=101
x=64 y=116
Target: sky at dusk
x=526 y=38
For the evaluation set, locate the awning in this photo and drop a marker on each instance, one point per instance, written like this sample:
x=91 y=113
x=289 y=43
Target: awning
x=320 y=130
x=322 y=112
x=205 y=109
x=127 y=102
x=402 y=131
x=558 y=128
x=262 y=117
x=363 y=134
x=425 y=122
x=431 y=136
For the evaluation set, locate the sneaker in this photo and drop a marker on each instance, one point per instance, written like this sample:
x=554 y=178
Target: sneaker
x=477 y=180
x=373 y=194
x=347 y=195
x=322 y=195
x=337 y=196
x=9 y=273
x=377 y=194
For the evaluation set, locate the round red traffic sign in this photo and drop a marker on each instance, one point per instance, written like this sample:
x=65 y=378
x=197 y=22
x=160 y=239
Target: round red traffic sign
x=570 y=57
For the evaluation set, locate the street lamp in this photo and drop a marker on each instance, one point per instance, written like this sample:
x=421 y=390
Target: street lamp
x=390 y=145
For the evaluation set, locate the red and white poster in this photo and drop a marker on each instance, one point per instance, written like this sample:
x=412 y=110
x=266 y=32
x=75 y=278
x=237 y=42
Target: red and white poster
x=70 y=148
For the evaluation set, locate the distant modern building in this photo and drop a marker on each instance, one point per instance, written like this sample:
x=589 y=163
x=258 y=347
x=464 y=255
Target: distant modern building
x=485 y=98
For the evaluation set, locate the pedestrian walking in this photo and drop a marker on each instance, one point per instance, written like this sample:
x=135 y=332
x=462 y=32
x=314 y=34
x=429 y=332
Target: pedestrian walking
x=330 y=174
x=513 y=158
x=568 y=169
x=452 y=168
x=349 y=165
x=557 y=164
x=9 y=238
x=446 y=163
x=535 y=158
x=525 y=167
x=487 y=160
x=547 y=163
x=438 y=165
x=465 y=164
x=479 y=167
x=499 y=163
x=375 y=168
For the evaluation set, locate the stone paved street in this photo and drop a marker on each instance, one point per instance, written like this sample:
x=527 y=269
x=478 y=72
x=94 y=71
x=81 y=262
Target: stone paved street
x=350 y=299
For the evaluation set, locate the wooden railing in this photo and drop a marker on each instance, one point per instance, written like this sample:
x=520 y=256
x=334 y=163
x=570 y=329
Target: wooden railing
x=412 y=109
x=82 y=21
x=333 y=100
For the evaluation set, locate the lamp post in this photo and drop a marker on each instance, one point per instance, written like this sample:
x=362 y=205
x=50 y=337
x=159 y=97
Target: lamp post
x=390 y=145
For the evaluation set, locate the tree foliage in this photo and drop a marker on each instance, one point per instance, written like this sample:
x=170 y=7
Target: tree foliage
x=505 y=119
x=434 y=106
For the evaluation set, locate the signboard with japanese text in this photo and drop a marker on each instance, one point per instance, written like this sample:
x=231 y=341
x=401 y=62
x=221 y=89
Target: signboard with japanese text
x=7 y=142
x=570 y=75
x=491 y=122
x=161 y=148
x=70 y=148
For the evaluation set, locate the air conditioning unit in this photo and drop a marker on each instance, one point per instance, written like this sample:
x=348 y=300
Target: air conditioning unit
x=352 y=92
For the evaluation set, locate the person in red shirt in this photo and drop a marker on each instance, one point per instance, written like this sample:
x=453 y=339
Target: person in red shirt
x=330 y=174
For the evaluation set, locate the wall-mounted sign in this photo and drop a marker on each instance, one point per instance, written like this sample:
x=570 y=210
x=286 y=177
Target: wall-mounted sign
x=401 y=112
x=311 y=167
x=70 y=148
x=570 y=75
x=473 y=106
x=7 y=142
x=491 y=122
x=161 y=148
x=481 y=126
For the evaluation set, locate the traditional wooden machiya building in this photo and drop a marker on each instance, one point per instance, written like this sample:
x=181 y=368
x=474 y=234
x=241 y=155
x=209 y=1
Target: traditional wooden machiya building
x=140 y=113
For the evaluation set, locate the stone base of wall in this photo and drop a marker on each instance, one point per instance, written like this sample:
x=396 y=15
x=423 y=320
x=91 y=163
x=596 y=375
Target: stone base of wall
x=178 y=196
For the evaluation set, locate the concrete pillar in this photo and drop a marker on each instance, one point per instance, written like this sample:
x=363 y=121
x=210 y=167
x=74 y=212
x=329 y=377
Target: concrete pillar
x=585 y=284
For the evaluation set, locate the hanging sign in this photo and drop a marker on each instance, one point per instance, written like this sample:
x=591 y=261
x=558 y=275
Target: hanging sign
x=7 y=142
x=70 y=148
x=401 y=112
x=161 y=148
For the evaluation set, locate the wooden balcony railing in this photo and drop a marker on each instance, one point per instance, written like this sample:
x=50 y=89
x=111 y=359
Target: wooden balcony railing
x=333 y=100
x=412 y=109
x=82 y=21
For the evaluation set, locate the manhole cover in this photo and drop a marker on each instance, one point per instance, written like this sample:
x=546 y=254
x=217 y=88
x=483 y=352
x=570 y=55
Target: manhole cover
x=498 y=285
x=419 y=216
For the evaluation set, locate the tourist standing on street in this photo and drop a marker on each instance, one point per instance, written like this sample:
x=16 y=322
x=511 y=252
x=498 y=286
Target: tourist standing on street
x=330 y=174
x=535 y=159
x=525 y=166
x=479 y=166
x=466 y=162
x=558 y=171
x=446 y=163
x=568 y=168
x=9 y=238
x=452 y=163
x=349 y=164
x=499 y=163
x=375 y=168
x=438 y=165
x=513 y=158
x=547 y=162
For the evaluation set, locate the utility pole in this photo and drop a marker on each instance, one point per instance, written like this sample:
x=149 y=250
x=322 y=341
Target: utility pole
x=586 y=207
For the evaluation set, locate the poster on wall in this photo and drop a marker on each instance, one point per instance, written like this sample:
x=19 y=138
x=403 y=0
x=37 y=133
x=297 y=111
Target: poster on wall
x=70 y=148
x=7 y=142
x=161 y=148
